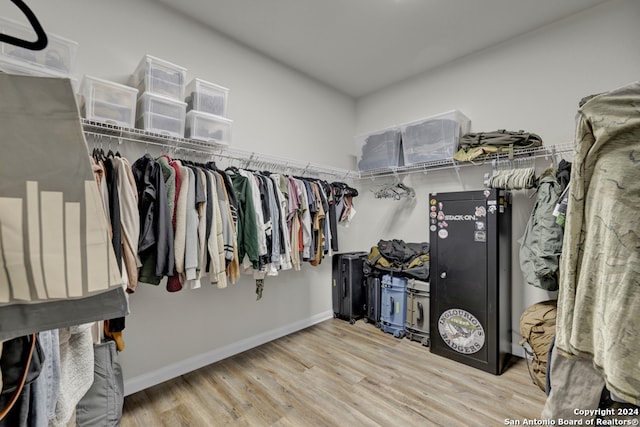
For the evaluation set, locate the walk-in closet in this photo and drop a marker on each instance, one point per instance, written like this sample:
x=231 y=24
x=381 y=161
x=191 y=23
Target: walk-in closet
x=303 y=213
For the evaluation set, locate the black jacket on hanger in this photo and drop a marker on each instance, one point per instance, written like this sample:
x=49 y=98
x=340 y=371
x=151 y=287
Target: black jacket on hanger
x=155 y=245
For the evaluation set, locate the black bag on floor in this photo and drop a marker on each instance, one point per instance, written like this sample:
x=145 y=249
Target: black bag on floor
x=21 y=363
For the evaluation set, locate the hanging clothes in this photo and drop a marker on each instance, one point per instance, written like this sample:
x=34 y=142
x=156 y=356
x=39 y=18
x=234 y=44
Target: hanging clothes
x=327 y=200
x=111 y=175
x=599 y=295
x=208 y=219
x=216 y=242
x=229 y=234
x=564 y=174
x=129 y=220
x=260 y=224
x=294 y=219
x=284 y=256
x=344 y=209
x=274 y=210
x=513 y=179
x=113 y=327
x=265 y=217
x=170 y=183
x=318 y=227
x=191 y=234
x=175 y=282
x=247 y=229
x=201 y=206
x=310 y=247
x=99 y=175
x=173 y=183
x=218 y=220
x=305 y=219
x=541 y=243
x=156 y=241
x=334 y=200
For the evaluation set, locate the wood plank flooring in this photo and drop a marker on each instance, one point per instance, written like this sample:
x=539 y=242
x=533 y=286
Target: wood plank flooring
x=337 y=374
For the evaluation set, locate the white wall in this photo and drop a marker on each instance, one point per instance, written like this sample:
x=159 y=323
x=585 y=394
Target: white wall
x=532 y=82
x=275 y=110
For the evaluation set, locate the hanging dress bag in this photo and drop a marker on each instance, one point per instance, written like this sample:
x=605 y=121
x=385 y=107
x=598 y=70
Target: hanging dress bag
x=57 y=266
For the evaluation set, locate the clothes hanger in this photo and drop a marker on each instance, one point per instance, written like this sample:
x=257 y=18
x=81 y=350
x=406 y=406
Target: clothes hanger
x=395 y=191
x=350 y=191
x=42 y=40
x=118 y=142
x=98 y=151
x=406 y=191
x=110 y=153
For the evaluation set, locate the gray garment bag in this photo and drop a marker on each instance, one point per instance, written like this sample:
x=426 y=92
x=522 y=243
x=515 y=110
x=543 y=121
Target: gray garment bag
x=57 y=265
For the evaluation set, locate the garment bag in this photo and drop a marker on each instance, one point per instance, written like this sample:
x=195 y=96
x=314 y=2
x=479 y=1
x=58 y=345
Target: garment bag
x=57 y=266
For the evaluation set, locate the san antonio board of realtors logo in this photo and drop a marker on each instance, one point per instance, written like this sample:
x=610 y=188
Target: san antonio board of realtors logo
x=461 y=331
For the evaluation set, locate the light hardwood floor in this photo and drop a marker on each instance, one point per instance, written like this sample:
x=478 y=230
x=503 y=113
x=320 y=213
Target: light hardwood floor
x=337 y=374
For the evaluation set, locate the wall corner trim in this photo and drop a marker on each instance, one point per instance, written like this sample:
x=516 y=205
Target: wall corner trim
x=141 y=382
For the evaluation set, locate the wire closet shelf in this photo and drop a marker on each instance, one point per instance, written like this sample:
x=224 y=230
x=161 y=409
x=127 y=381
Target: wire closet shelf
x=546 y=151
x=252 y=159
x=213 y=150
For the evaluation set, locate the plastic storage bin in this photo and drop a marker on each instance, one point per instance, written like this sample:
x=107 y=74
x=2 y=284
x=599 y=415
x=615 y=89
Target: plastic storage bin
x=206 y=97
x=434 y=138
x=109 y=102
x=10 y=67
x=208 y=127
x=160 y=77
x=379 y=150
x=159 y=114
x=57 y=59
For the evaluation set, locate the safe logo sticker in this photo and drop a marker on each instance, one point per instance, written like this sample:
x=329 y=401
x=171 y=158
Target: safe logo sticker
x=461 y=331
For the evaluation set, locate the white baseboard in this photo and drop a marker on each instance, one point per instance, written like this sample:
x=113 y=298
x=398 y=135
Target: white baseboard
x=135 y=384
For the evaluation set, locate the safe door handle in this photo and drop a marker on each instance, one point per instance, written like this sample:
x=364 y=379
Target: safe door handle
x=420 y=312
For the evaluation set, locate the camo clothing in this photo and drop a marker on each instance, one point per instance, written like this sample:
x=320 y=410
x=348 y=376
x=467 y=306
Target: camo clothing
x=599 y=295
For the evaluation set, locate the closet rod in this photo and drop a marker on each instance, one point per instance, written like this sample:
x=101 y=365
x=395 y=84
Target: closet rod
x=246 y=159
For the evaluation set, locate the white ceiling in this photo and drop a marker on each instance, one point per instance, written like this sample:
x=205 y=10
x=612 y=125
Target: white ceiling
x=360 y=46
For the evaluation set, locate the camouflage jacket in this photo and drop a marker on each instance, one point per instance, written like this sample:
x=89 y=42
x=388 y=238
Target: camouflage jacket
x=599 y=295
